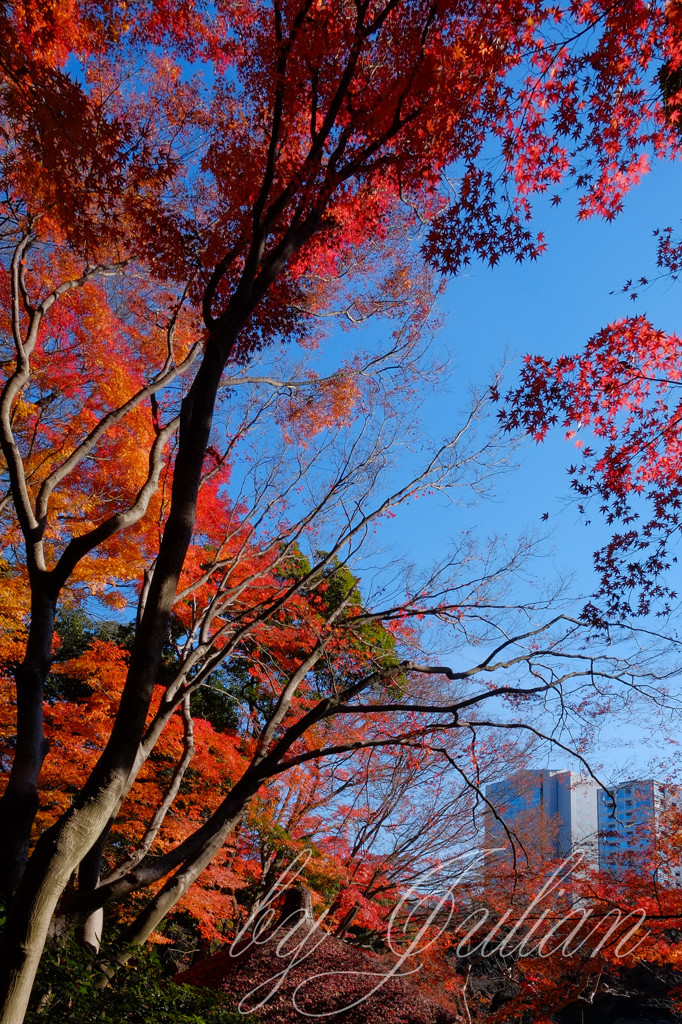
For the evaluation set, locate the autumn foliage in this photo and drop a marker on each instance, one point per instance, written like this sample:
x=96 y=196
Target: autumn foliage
x=191 y=195
x=623 y=389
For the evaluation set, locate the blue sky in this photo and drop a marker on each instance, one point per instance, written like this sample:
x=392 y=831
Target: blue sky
x=550 y=307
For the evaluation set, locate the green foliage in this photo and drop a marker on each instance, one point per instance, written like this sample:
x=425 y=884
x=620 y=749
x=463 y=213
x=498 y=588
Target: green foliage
x=338 y=584
x=66 y=992
x=76 y=632
x=375 y=645
x=217 y=702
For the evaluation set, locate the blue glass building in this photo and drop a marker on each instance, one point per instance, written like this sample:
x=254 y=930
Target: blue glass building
x=561 y=802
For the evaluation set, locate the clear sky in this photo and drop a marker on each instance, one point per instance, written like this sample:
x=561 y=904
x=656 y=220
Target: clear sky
x=549 y=307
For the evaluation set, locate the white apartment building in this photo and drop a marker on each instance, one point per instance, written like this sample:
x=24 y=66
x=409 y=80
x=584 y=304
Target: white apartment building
x=629 y=823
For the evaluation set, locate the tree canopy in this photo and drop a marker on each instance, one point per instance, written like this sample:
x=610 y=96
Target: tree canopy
x=191 y=194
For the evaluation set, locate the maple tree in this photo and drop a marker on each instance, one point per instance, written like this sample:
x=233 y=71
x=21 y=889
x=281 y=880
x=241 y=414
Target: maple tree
x=499 y=949
x=389 y=817
x=540 y=936
x=182 y=189
x=372 y=820
x=591 y=966
x=624 y=388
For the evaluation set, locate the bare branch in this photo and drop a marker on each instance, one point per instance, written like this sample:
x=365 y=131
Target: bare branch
x=79 y=547
x=168 y=797
x=111 y=419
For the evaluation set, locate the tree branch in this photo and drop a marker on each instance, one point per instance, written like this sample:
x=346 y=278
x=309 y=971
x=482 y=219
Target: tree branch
x=169 y=796
x=79 y=547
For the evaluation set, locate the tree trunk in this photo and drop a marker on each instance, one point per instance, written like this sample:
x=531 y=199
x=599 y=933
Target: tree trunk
x=57 y=854
x=90 y=934
x=20 y=800
x=61 y=849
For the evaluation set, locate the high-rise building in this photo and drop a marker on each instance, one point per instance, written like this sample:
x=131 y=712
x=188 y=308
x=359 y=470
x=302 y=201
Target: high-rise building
x=558 y=812
x=557 y=808
x=629 y=825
